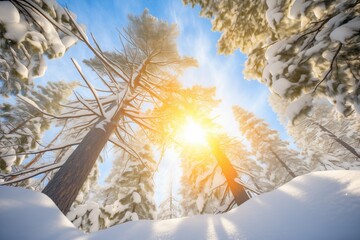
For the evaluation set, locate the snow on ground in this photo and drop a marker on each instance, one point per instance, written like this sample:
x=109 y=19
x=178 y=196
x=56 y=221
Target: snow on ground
x=321 y=205
x=25 y=214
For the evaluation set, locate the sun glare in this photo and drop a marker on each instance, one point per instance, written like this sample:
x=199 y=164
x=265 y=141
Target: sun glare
x=193 y=133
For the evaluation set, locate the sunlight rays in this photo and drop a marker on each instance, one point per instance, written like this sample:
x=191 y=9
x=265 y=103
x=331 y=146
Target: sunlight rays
x=193 y=133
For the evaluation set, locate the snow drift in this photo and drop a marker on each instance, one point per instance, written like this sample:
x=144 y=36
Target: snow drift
x=321 y=205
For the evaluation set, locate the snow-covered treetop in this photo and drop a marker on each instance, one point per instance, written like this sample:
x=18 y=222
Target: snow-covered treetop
x=144 y=72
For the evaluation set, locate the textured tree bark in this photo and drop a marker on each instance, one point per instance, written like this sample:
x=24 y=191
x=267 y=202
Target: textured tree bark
x=67 y=182
x=292 y=174
x=229 y=172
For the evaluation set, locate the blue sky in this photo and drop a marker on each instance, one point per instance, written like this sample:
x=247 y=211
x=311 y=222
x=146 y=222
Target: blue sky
x=196 y=39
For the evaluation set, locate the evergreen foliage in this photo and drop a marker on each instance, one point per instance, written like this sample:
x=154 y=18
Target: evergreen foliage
x=300 y=49
x=22 y=125
x=281 y=162
x=323 y=151
x=30 y=31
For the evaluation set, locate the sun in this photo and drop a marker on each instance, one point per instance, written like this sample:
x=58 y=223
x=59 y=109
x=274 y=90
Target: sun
x=193 y=133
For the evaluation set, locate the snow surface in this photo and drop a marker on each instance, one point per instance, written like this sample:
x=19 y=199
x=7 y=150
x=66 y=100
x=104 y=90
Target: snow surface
x=320 y=205
x=25 y=214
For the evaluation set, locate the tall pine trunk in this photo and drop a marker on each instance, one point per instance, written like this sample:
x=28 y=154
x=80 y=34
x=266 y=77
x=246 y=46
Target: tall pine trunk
x=230 y=173
x=337 y=139
x=67 y=182
x=283 y=164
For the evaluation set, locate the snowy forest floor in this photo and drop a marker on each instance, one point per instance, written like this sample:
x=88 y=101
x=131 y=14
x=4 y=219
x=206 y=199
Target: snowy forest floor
x=320 y=205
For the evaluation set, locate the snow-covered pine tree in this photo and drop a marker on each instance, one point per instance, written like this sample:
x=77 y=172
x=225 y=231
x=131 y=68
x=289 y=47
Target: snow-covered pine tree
x=152 y=62
x=204 y=188
x=169 y=208
x=197 y=103
x=282 y=163
x=22 y=126
x=200 y=175
x=300 y=49
x=27 y=35
x=246 y=164
x=127 y=196
x=328 y=140
x=131 y=184
x=239 y=20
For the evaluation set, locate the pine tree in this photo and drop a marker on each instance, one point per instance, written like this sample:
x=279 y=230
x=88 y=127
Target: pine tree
x=239 y=20
x=199 y=171
x=152 y=61
x=198 y=103
x=327 y=139
x=300 y=49
x=22 y=127
x=204 y=188
x=27 y=35
x=282 y=163
x=131 y=184
x=127 y=196
x=169 y=208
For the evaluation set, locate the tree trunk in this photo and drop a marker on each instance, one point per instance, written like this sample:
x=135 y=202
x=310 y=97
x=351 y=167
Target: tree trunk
x=292 y=174
x=230 y=173
x=341 y=142
x=258 y=188
x=67 y=182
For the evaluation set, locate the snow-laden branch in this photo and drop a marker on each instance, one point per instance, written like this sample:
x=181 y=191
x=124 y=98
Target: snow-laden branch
x=330 y=69
x=41 y=151
x=64 y=116
x=34 y=172
x=36 y=8
x=85 y=104
x=99 y=54
x=92 y=89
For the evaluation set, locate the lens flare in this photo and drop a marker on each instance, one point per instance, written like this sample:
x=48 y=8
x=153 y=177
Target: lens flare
x=193 y=133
